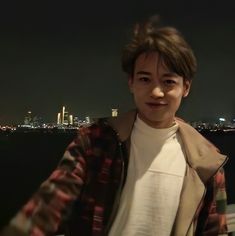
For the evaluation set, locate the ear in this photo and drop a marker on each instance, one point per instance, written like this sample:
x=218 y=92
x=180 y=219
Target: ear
x=187 y=86
x=130 y=83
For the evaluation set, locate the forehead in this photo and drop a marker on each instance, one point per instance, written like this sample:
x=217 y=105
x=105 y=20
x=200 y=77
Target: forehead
x=150 y=61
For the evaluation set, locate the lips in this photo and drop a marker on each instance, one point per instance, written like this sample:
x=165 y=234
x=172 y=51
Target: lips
x=155 y=105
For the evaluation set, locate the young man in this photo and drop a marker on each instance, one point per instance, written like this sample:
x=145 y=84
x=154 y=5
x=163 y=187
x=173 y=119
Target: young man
x=143 y=173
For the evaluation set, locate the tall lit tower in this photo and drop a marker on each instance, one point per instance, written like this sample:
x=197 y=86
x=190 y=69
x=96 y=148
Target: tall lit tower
x=66 y=118
x=71 y=119
x=62 y=118
x=28 y=118
x=58 y=118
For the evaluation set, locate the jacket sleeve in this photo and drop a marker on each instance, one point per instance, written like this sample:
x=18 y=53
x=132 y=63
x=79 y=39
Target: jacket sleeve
x=216 y=221
x=51 y=203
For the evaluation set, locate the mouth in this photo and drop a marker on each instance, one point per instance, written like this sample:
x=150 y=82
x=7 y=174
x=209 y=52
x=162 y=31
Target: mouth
x=155 y=105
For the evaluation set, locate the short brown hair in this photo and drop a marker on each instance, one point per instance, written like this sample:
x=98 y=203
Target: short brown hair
x=176 y=53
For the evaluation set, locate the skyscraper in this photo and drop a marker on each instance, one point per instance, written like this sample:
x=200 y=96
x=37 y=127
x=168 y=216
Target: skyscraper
x=59 y=119
x=28 y=118
x=63 y=111
x=71 y=119
x=66 y=118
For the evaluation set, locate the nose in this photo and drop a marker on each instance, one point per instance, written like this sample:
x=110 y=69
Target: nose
x=157 y=92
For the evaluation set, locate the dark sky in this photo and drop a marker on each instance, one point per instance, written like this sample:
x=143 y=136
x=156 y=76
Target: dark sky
x=55 y=53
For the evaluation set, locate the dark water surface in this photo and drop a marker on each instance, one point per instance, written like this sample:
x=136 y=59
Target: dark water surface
x=26 y=159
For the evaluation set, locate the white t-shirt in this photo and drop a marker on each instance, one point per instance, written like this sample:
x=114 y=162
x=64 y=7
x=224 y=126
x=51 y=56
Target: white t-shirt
x=151 y=194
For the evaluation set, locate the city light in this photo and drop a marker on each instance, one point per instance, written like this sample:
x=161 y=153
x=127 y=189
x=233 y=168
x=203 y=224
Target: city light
x=222 y=119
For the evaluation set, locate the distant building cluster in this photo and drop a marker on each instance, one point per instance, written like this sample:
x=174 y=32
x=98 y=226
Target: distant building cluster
x=220 y=125
x=64 y=121
x=32 y=121
x=63 y=118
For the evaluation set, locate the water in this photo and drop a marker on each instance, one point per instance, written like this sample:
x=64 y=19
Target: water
x=26 y=159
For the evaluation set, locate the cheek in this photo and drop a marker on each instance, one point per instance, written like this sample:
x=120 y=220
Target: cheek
x=138 y=98
x=175 y=94
x=137 y=92
x=175 y=99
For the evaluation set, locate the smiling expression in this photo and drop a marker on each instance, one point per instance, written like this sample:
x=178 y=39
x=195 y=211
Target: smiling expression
x=157 y=91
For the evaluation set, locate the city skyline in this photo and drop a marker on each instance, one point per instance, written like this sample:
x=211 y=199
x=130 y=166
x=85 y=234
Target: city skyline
x=56 y=53
x=63 y=117
x=59 y=118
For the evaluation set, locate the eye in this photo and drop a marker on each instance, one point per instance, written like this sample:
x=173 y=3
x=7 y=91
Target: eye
x=169 y=82
x=144 y=79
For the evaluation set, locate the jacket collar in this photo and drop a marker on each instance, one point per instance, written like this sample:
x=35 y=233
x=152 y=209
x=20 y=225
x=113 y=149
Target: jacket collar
x=201 y=155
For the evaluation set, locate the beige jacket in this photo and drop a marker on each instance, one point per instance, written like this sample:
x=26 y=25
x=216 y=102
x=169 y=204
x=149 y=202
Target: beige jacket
x=203 y=162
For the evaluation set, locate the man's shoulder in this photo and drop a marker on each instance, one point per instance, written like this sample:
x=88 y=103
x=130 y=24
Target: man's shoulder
x=190 y=132
x=98 y=128
x=122 y=124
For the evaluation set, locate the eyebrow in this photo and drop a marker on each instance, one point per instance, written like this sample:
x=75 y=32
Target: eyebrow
x=169 y=74
x=143 y=73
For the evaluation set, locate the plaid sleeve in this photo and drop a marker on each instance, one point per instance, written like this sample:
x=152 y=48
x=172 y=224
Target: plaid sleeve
x=216 y=222
x=50 y=205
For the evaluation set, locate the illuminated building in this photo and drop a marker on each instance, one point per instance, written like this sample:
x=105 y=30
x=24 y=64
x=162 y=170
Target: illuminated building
x=28 y=118
x=59 y=119
x=66 y=118
x=88 y=120
x=71 y=119
x=63 y=111
x=114 y=112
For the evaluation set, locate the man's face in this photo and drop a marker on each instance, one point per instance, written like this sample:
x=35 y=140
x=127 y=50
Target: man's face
x=157 y=90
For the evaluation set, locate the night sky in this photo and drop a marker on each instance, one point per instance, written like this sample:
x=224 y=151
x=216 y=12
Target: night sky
x=55 y=53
